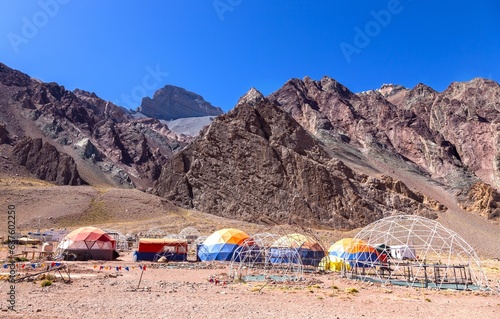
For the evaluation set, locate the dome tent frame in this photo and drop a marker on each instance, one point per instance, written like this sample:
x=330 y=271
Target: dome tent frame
x=276 y=253
x=251 y=261
x=420 y=253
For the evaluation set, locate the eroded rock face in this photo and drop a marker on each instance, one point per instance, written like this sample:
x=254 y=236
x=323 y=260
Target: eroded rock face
x=172 y=102
x=484 y=199
x=257 y=163
x=43 y=160
x=4 y=134
x=453 y=136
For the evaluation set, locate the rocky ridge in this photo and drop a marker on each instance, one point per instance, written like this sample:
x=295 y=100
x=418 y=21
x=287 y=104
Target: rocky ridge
x=107 y=144
x=312 y=153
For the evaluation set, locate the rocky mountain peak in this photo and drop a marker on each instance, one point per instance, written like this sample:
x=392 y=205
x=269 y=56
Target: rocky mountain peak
x=330 y=85
x=172 y=102
x=252 y=97
x=388 y=90
x=11 y=77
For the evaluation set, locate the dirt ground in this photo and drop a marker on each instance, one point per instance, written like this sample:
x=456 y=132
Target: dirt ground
x=183 y=290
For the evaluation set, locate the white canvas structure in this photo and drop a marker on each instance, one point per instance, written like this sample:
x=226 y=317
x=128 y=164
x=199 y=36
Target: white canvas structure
x=423 y=253
x=403 y=252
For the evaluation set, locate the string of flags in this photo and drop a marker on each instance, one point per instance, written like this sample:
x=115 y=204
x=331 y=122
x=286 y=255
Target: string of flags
x=28 y=266
x=119 y=268
x=33 y=265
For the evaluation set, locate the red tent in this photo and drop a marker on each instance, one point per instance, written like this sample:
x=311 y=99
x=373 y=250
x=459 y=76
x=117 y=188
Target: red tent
x=89 y=243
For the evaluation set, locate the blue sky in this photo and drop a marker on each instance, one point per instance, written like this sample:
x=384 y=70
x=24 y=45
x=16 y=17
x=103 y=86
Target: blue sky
x=122 y=50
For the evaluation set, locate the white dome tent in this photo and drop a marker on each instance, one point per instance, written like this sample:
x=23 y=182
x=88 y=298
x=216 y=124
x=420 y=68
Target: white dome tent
x=419 y=252
x=252 y=261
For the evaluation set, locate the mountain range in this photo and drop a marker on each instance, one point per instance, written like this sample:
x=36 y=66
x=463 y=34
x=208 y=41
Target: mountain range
x=312 y=153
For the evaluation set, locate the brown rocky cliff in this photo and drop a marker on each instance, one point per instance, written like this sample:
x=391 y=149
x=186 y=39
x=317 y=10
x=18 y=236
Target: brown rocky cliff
x=4 y=134
x=484 y=199
x=43 y=160
x=257 y=163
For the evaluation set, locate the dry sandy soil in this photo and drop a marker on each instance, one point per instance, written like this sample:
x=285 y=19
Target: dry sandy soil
x=184 y=291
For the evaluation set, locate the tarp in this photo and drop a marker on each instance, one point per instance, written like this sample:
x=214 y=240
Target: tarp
x=288 y=248
x=221 y=244
x=170 y=248
x=354 y=250
x=89 y=243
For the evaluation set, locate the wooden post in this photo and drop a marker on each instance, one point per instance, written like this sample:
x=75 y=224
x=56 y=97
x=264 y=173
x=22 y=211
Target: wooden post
x=140 y=278
x=425 y=274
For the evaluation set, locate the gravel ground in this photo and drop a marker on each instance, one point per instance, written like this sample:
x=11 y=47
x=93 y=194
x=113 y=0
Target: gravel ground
x=186 y=292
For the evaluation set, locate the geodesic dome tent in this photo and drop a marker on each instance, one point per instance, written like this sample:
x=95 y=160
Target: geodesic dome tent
x=285 y=248
x=251 y=260
x=421 y=253
x=221 y=244
x=88 y=243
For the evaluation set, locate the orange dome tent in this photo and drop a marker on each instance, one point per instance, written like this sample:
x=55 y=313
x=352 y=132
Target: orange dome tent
x=221 y=245
x=88 y=243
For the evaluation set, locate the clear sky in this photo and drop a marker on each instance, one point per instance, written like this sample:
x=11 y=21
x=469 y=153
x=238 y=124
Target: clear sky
x=123 y=50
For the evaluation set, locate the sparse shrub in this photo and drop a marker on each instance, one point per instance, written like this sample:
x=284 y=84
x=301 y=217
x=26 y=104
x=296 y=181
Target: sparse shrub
x=47 y=277
x=351 y=290
x=46 y=283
